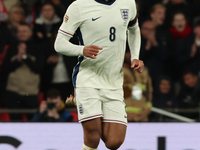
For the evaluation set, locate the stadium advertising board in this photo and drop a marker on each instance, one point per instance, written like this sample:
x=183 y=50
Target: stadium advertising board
x=68 y=136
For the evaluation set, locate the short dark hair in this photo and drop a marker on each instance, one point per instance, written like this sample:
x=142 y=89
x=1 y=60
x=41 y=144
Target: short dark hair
x=48 y=3
x=193 y=72
x=25 y=24
x=53 y=93
x=178 y=12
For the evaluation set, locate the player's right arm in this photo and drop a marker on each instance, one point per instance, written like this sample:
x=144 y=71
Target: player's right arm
x=71 y=21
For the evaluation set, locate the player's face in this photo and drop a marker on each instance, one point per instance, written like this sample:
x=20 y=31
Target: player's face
x=164 y=86
x=179 y=22
x=24 y=33
x=190 y=80
x=158 y=16
x=48 y=12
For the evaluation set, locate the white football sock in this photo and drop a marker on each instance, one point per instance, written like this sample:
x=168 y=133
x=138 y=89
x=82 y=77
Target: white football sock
x=87 y=148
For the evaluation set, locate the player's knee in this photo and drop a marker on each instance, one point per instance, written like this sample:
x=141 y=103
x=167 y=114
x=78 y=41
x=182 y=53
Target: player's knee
x=93 y=135
x=114 y=144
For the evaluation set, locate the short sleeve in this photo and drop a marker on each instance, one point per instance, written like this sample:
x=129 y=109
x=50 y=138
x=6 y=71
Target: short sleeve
x=134 y=20
x=71 y=20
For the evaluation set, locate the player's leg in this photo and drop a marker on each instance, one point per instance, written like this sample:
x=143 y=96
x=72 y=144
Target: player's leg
x=89 y=109
x=114 y=119
x=92 y=133
x=113 y=134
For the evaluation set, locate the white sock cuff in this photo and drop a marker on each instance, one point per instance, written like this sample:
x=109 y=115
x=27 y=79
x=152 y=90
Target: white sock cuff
x=87 y=148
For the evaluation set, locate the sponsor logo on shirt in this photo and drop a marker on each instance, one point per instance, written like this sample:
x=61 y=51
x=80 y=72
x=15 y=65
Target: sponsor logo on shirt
x=66 y=18
x=93 y=19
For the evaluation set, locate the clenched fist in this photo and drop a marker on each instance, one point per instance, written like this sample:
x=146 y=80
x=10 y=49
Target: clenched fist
x=137 y=65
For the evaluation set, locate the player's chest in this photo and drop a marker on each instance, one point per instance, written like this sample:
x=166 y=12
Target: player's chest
x=100 y=19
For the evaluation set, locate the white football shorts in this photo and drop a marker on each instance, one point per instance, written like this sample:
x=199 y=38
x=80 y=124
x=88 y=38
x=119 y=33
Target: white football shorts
x=101 y=103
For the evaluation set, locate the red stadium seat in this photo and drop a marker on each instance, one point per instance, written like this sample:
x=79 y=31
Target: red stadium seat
x=75 y=116
x=4 y=116
x=2 y=55
x=40 y=97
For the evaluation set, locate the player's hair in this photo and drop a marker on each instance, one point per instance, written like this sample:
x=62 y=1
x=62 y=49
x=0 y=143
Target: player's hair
x=53 y=93
x=190 y=71
x=156 y=6
x=197 y=23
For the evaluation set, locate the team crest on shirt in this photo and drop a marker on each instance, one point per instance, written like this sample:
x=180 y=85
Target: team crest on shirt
x=124 y=13
x=66 y=18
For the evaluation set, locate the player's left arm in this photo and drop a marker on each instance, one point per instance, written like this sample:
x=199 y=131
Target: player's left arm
x=134 y=40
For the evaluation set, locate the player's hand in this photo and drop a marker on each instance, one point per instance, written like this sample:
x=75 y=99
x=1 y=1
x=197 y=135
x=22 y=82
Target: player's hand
x=91 y=51
x=137 y=65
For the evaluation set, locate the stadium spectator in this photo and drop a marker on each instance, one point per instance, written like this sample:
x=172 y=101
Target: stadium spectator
x=180 y=27
x=57 y=74
x=179 y=30
x=145 y=6
x=157 y=14
x=190 y=92
x=58 y=68
x=153 y=52
x=16 y=16
x=163 y=93
x=22 y=66
x=187 y=52
x=53 y=109
x=46 y=26
x=190 y=10
x=8 y=29
x=59 y=8
x=138 y=94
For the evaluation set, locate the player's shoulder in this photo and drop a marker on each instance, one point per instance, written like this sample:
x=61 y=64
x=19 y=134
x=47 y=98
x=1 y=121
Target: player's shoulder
x=80 y=2
x=131 y=1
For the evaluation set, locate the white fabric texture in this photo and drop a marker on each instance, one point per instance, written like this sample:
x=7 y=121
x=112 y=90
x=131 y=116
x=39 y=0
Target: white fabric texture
x=63 y=46
x=134 y=40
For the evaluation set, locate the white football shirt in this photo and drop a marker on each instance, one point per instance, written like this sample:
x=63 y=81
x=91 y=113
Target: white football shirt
x=102 y=24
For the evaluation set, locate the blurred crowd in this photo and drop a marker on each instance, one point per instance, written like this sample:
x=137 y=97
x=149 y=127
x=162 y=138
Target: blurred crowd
x=31 y=70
